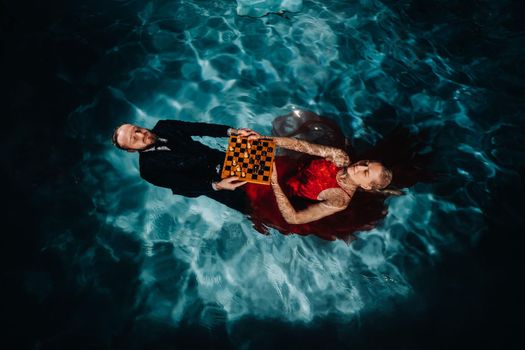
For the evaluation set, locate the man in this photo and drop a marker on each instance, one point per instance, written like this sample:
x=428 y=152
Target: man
x=169 y=157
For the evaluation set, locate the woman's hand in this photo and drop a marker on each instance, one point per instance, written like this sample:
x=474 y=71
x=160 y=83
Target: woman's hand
x=339 y=158
x=257 y=136
x=245 y=132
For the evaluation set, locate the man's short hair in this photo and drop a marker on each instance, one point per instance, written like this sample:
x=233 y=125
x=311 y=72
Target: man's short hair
x=114 y=138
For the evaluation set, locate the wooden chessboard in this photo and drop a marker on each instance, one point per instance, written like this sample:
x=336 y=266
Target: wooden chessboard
x=251 y=161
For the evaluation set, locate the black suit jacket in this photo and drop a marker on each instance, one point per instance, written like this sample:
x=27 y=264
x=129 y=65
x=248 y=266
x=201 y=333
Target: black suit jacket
x=189 y=167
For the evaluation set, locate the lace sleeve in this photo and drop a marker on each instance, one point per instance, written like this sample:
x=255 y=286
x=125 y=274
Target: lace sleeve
x=336 y=155
x=333 y=200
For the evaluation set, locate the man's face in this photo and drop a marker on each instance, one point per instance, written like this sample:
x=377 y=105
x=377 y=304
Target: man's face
x=364 y=173
x=134 y=138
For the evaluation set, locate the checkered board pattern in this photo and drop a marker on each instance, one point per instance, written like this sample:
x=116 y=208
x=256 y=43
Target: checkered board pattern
x=251 y=161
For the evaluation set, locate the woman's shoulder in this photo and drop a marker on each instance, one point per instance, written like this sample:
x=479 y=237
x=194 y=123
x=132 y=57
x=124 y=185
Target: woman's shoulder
x=334 y=197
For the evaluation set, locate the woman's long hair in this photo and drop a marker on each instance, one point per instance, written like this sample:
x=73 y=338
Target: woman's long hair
x=401 y=151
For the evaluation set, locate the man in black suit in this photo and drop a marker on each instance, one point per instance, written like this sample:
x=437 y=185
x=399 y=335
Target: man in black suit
x=169 y=157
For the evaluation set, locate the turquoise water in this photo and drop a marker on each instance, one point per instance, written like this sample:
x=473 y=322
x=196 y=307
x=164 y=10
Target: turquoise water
x=196 y=62
x=369 y=65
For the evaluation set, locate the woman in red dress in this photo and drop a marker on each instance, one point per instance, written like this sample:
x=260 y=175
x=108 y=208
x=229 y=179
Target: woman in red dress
x=306 y=191
x=316 y=194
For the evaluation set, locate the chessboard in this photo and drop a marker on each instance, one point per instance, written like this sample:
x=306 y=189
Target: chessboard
x=251 y=161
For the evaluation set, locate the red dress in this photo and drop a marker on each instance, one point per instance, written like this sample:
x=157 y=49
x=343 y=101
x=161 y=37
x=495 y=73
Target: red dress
x=302 y=181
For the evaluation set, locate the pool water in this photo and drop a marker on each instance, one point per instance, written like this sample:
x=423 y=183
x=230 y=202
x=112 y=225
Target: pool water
x=163 y=263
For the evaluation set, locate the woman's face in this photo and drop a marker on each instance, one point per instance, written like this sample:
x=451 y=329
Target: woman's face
x=365 y=173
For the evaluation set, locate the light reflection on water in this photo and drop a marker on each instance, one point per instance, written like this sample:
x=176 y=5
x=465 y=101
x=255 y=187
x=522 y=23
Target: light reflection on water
x=202 y=62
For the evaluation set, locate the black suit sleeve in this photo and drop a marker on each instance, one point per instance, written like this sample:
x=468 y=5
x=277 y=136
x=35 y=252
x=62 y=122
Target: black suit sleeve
x=193 y=128
x=176 y=174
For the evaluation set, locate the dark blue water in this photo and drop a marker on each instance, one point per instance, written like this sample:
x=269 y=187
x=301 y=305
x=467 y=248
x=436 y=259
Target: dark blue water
x=94 y=257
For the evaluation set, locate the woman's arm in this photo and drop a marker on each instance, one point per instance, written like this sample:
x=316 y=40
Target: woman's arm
x=334 y=200
x=336 y=155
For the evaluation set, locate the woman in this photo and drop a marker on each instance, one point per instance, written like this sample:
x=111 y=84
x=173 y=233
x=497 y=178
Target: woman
x=314 y=188
x=330 y=182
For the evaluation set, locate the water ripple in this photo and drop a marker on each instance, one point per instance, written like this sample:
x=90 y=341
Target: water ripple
x=347 y=60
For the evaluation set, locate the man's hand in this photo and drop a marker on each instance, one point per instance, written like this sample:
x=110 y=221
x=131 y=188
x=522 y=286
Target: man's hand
x=339 y=157
x=244 y=132
x=229 y=183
